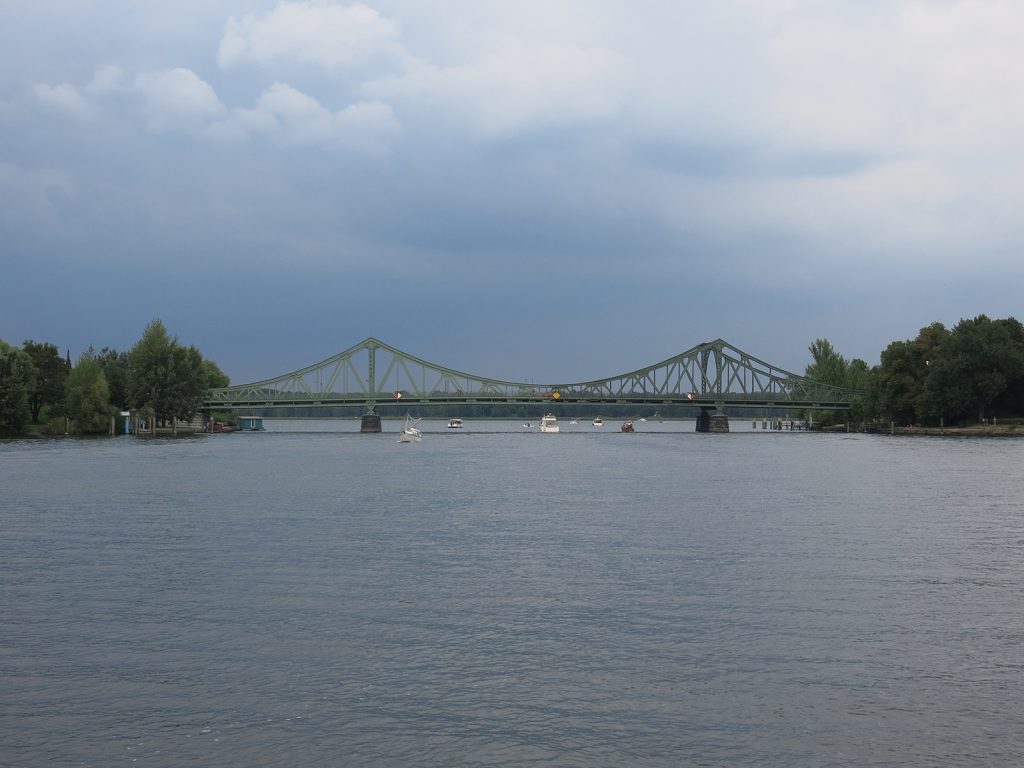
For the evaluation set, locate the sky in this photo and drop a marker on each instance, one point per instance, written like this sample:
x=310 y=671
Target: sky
x=550 y=191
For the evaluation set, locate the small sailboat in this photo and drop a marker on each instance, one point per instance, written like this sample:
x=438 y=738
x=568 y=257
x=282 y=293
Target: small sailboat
x=410 y=432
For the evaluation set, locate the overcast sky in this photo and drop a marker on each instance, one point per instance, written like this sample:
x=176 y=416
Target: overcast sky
x=555 y=191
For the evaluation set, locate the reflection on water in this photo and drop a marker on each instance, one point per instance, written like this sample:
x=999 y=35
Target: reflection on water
x=310 y=595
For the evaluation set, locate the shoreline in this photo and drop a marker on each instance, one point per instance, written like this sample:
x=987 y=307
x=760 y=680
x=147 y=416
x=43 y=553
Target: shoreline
x=974 y=430
x=977 y=430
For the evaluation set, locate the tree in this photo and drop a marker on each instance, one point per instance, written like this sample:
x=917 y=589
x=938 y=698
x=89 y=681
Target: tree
x=51 y=375
x=168 y=377
x=17 y=380
x=900 y=376
x=858 y=377
x=978 y=368
x=115 y=369
x=829 y=367
x=88 y=397
x=150 y=363
x=215 y=377
x=187 y=382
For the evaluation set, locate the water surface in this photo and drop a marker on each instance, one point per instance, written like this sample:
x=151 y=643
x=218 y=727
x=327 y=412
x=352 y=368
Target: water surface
x=494 y=596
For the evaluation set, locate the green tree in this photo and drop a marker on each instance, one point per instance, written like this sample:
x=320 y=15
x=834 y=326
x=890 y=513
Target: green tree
x=17 y=380
x=858 y=377
x=187 y=382
x=979 y=369
x=167 y=376
x=115 y=369
x=150 y=363
x=899 y=378
x=88 y=397
x=829 y=367
x=215 y=377
x=51 y=375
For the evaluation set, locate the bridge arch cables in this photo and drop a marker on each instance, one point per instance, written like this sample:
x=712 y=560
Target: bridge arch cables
x=713 y=373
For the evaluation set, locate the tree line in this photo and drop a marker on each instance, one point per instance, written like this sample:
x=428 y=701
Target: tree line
x=972 y=373
x=159 y=377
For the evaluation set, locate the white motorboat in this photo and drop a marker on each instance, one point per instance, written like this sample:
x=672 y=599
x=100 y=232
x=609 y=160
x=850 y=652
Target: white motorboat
x=454 y=423
x=598 y=422
x=410 y=432
x=548 y=423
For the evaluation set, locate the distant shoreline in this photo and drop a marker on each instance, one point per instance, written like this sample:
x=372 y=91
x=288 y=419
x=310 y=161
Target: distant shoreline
x=975 y=430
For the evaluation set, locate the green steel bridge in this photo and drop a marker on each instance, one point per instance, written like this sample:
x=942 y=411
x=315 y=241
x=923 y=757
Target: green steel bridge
x=713 y=376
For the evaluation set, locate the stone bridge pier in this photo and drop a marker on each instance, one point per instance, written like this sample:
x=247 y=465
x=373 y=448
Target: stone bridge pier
x=712 y=420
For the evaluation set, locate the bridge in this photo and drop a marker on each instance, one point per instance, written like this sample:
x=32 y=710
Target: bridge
x=713 y=376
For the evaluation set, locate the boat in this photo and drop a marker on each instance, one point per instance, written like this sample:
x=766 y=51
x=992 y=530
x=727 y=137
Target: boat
x=410 y=432
x=548 y=423
x=627 y=426
x=598 y=422
x=454 y=423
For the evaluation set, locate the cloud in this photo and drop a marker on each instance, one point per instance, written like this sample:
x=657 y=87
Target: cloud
x=177 y=98
x=802 y=153
x=291 y=117
x=320 y=33
x=108 y=79
x=521 y=82
x=523 y=87
x=67 y=99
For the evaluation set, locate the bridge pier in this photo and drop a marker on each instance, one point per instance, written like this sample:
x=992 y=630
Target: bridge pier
x=371 y=423
x=712 y=422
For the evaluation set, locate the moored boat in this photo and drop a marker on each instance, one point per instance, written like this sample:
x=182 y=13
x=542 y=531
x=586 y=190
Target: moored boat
x=454 y=423
x=598 y=422
x=627 y=426
x=548 y=423
x=410 y=432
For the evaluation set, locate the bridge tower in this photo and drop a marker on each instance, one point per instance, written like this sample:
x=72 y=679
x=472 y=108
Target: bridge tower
x=371 y=420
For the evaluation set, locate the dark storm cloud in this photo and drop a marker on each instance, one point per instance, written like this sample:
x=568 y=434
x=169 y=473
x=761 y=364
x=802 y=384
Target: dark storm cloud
x=546 y=190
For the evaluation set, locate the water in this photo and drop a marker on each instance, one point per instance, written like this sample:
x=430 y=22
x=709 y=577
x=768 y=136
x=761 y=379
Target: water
x=492 y=596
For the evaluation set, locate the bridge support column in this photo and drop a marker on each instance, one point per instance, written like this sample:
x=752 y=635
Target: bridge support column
x=712 y=422
x=371 y=423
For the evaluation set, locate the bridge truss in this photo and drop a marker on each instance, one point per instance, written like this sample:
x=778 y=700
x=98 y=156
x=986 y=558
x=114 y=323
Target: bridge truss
x=712 y=374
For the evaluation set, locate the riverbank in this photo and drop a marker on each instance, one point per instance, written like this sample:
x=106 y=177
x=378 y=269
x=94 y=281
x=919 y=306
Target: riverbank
x=186 y=429
x=974 y=430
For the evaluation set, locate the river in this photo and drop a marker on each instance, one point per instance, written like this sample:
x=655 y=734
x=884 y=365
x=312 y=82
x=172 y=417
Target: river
x=493 y=596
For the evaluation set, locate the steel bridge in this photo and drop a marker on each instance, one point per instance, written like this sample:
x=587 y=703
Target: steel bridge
x=712 y=375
